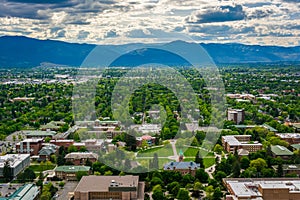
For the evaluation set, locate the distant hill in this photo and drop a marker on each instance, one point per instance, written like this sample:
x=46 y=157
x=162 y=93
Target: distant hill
x=16 y=51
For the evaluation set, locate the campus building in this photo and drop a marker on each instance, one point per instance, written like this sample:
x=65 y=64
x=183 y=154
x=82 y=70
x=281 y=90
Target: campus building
x=39 y=134
x=281 y=151
x=80 y=158
x=149 y=139
x=30 y=146
x=68 y=172
x=109 y=187
x=25 y=192
x=235 y=142
x=17 y=163
x=236 y=115
x=291 y=138
x=293 y=169
x=262 y=188
x=182 y=167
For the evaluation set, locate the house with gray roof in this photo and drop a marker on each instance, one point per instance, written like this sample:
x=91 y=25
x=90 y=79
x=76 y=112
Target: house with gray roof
x=182 y=167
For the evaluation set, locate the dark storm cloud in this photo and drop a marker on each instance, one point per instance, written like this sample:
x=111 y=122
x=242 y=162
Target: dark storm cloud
x=219 y=14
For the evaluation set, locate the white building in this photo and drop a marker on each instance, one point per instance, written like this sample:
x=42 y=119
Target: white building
x=17 y=162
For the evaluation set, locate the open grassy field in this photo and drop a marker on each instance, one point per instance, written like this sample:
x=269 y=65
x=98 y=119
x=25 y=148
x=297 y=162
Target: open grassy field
x=145 y=161
x=161 y=151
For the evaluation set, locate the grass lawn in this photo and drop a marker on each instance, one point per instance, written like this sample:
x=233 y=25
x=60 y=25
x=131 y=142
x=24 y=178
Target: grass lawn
x=207 y=161
x=40 y=168
x=192 y=151
x=161 y=151
x=145 y=162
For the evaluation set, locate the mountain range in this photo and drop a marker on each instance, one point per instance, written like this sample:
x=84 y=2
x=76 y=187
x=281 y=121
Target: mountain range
x=22 y=52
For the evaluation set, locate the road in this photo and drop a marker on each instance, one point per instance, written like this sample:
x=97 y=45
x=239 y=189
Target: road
x=63 y=194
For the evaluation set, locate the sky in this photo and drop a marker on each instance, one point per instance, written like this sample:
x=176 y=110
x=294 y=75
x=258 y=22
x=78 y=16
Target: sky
x=274 y=22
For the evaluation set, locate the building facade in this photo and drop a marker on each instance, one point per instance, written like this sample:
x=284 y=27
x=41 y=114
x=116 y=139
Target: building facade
x=17 y=163
x=236 y=115
x=109 y=187
x=182 y=167
x=68 y=172
x=262 y=188
x=29 y=146
x=80 y=158
x=231 y=143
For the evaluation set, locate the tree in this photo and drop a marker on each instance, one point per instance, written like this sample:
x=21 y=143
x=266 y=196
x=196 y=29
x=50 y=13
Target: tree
x=88 y=163
x=245 y=162
x=72 y=148
x=280 y=170
x=199 y=159
x=80 y=174
x=209 y=191
x=196 y=190
x=108 y=173
x=220 y=175
x=259 y=164
x=155 y=161
x=7 y=174
x=156 y=181
x=83 y=149
x=236 y=169
x=47 y=139
x=217 y=194
x=61 y=184
x=202 y=175
x=144 y=144
x=183 y=194
x=195 y=142
x=218 y=149
x=173 y=187
x=157 y=193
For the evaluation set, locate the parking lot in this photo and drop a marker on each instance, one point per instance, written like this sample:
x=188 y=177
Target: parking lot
x=7 y=189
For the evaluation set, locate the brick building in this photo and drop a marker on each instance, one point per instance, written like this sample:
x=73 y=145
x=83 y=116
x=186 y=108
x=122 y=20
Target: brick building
x=235 y=142
x=109 y=187
x=182 y=167
x=80 y=158
x=29 y=146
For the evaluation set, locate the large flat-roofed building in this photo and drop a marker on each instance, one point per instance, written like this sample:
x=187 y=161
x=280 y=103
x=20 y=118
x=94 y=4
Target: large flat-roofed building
x=291 y=138
x=30 y=146
x=25 y=192
x=39 y=134
x=236 y=115
x=17 y=163
x=235 y=142
x=109 y=187
x=262 y=188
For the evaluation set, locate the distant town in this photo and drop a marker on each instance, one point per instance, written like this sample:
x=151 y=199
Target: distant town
x=47 y=154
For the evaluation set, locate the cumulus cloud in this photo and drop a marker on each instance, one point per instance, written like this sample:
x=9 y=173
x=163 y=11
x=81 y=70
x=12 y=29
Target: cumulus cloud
x=217 y=14
x=125 y=21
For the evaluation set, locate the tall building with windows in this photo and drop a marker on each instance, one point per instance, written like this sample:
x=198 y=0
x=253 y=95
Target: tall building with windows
x=236 y=115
